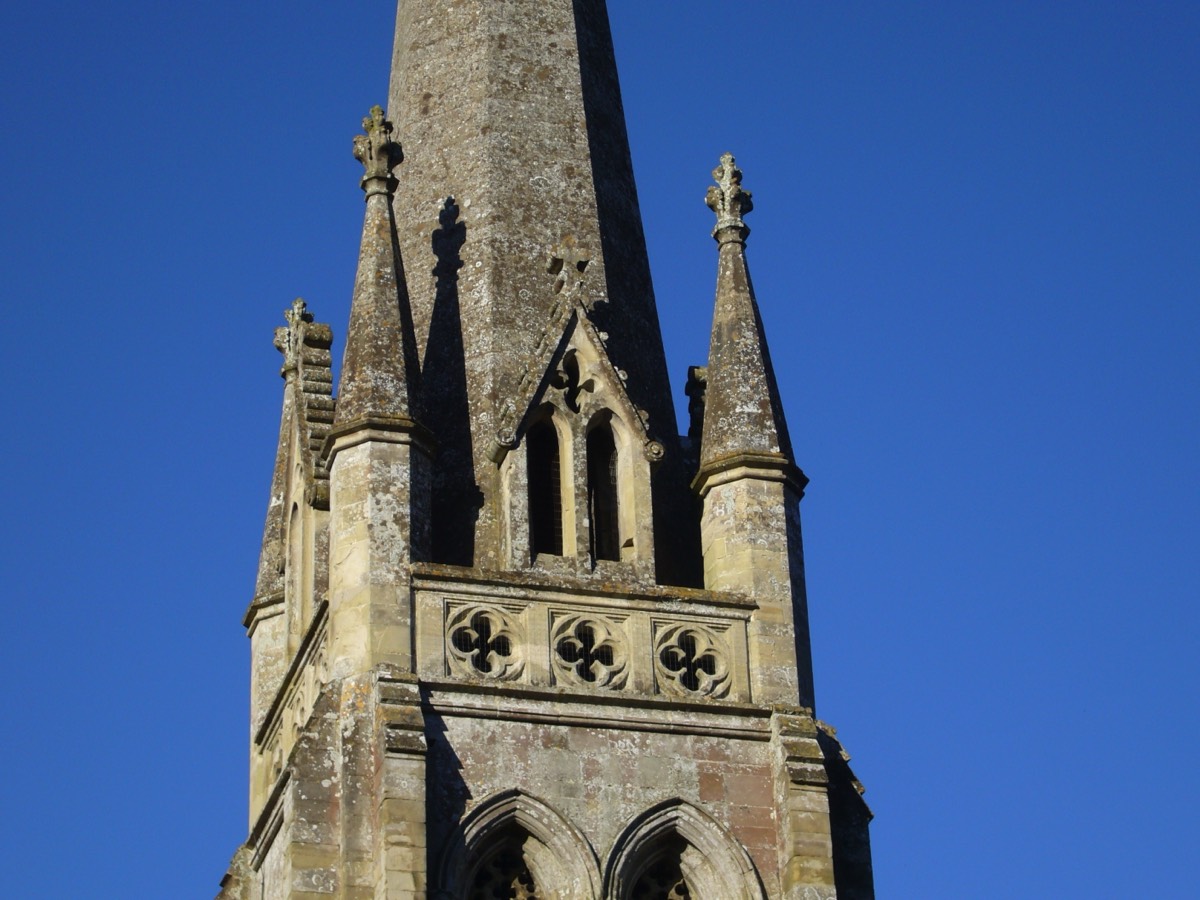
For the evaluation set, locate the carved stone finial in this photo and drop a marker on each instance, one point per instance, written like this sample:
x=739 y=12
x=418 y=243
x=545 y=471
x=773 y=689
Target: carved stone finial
x=729 y=201
x=289 y=340
x=567 y=263
x=378 y=153
x=298 y=313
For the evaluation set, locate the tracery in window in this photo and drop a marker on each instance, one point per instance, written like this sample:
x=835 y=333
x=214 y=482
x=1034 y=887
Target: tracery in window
x=503 y=876
x=663 y=879
x=674 y=851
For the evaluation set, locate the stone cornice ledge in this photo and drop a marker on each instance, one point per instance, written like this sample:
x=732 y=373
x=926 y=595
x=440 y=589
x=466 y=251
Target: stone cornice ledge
x=266 y=606
x=631 y=712
x=803 y=758
x=377 y=429
x=426 y=574
x=759 y=466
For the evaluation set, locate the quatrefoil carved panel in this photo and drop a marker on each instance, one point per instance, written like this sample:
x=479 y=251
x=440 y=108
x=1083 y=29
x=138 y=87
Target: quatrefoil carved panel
x=589 y=650
x=691 y=660
x=485 y=641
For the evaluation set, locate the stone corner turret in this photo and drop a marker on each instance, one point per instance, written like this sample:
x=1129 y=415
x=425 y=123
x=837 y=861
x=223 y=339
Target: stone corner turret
x=747 y=478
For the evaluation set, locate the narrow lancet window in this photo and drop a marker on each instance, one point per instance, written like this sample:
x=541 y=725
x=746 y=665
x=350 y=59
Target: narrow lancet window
x=545 y=490
x=602 y=493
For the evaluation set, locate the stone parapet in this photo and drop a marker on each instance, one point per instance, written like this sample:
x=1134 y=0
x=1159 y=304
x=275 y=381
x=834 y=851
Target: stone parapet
x=687 y=646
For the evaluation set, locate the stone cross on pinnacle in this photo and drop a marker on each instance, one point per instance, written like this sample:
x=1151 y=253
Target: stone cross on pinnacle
x=378 y=153
x=729 y=201
x=289 y=340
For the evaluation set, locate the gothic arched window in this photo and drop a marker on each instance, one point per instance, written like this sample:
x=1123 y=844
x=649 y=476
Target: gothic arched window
x=602 y=493
x=514 y=847
x=673 y=851
x=545 y=490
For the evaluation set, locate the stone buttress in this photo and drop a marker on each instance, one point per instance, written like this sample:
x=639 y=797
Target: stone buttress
x=512 y=635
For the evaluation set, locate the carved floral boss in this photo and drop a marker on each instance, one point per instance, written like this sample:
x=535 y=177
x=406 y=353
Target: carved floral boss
x=588 y=650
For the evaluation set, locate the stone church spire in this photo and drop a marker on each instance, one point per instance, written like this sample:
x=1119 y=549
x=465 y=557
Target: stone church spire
x=748 y=482
x=499 y=647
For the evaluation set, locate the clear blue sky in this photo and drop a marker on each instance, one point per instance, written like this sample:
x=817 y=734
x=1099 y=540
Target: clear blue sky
x=976 y=245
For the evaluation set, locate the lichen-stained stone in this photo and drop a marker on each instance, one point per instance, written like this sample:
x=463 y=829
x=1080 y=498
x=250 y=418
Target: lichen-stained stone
x=513 y=110
x=742 y=409
x=511 y=634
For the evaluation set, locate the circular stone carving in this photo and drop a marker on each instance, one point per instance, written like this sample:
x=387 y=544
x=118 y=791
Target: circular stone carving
x=691 y=661
x=484 y=641
x=589 y=651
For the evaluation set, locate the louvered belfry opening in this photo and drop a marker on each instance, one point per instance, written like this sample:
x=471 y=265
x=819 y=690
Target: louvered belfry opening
x=602 y=493
x=545 y=490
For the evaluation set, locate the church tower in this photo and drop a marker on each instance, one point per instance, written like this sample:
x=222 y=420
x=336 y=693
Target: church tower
x=512 y=635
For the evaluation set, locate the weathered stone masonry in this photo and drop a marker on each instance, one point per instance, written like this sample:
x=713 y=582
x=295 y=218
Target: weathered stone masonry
x=512 y=635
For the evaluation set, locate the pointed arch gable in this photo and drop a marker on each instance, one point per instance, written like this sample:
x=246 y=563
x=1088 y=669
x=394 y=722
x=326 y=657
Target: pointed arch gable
x=719 y=867
x=569 y=325
x=562 y=858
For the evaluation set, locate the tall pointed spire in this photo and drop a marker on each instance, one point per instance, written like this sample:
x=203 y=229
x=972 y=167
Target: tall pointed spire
x=742 y=411
x=514 y=110
x=376 y=380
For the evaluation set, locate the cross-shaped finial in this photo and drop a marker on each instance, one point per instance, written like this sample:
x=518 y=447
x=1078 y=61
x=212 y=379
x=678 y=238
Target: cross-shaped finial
x=376 y=150
x=289 y=340
x=298 y=313
x=729 y=201
x=567 y=264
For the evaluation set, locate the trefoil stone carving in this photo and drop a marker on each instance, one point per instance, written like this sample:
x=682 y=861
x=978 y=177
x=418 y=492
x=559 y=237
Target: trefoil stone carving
x=567 y=263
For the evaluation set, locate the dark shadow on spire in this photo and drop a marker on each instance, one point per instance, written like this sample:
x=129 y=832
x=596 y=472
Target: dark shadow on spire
x=630 y=313
x=445 y=406
x=630 y=316
x=408 y=331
